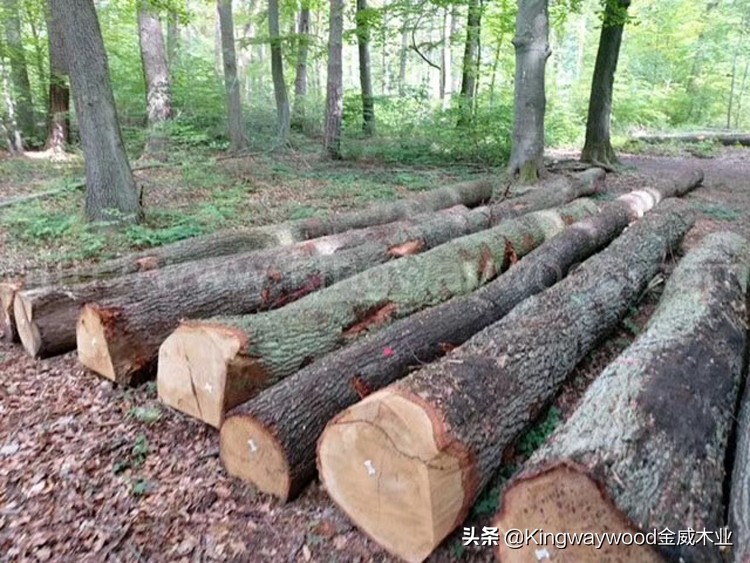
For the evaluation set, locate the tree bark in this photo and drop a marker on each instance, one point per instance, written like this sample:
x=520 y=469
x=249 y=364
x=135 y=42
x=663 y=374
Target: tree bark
x=285 y=421
x=598 y=145
x=156 y=74
x=739 y=498
x=470 y=67
x=646 y=447
x=334 y=88
x=251 y=353
x=237 y=138
x=119 y=337
x=365 y=72
x=223 y=244
x=58 y=129
x=110 y=189
x=277 y=72
x=532 y=50
x=300 y=81
x=424 y=448
x=18 y=70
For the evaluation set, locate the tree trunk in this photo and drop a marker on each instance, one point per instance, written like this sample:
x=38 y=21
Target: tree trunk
x=365 y=72
x=110 y=189
x=156 y=74
x=446 y=68
x=173 y=39
x=18 y=70
x=424 y=448
x=119 y=338
x=470 y=68
x=58 y=130
x=402 y=57
x=300 y=81
x=598 y=146
x=334 y=89
x=9 y=122
x=532 y=50
x=237 y=138
x=739 y=498
x=285 y=424
x=646 y=447
x=220 y=244
x=251 y=353
x=277 y=72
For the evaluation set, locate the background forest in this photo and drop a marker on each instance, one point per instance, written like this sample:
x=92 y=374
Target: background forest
x=682 y=65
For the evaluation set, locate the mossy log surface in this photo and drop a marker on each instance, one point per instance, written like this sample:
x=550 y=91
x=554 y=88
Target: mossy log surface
x=646 y=447
x=422 y=449
x=285 y=421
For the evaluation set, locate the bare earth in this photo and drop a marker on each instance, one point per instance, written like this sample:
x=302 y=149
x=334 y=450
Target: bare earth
x=87 y=475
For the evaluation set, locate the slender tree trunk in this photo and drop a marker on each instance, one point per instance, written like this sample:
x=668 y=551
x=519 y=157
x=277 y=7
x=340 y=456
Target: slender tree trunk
x=598 y=146
x=18 y=70
x=277 y=71
x=300 y=81
x=402 y=58
x=173 y=39
x=741 y=95
x=110 y=189
x=365 y=72
x=446 y=70
x=532 y=50
x=39 y=58
x=9 y=123
x=470 y=69
x=58 y=124
x=335 y=91
x=156 y=74
x=237 y=138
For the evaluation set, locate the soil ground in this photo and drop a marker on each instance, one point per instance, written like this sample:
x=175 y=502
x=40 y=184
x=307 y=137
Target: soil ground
x=92 y=472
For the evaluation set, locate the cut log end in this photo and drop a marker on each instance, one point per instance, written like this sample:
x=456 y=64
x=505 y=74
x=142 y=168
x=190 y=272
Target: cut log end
x=91 y=341
x=7 y=324
x=381 y=463
x=27 y=330
x=249 y=451
x=565 y=499
x=203 y=372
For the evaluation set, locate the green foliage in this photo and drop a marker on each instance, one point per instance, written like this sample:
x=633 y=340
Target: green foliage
x=538 y=434
x=147 y=415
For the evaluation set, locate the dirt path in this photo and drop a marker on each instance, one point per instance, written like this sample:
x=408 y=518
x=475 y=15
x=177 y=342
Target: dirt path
x=90 y=472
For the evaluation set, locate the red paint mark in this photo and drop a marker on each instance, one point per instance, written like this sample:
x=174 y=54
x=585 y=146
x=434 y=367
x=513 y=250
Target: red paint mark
x=388 y=352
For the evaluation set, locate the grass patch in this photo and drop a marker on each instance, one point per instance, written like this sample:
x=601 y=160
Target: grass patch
x=719 y=211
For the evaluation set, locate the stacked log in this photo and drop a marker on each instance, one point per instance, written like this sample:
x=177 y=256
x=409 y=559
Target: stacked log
x=646 y=448
x=739 y=498
x=120 y=338
x=283 y=423
x=422 y=449
x=206 y=368
x=469 y=194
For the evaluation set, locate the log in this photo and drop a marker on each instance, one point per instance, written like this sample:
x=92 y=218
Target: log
x=119 y=337
x=248 y=281
x=470 y=194
x=206 y=368
x=283 y=423
x=422 y=449
x=726 y=139
x=646 y=447
x=739 y=496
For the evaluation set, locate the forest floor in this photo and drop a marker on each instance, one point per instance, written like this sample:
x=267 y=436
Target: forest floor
x=93 y=472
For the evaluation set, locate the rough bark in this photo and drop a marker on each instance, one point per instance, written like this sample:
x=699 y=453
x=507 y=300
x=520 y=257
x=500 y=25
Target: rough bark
x=739 y=498
x=110 y=188
x=470 y=67
x=598 y=145
x=156 y=74
x=532 y=50
x=18 y=69
x=12 y=132
x=423 y=448
x=58 y=130
x=119 y=338
x=237 y=138
x=300 y=81
x=727 y=139
x=334 y=88
x=286 y=421
x=646 y=447
x=243 y=355
x=283 y=116
x=365 y=72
